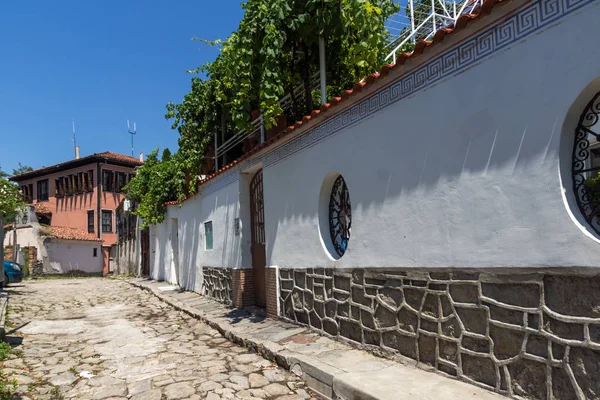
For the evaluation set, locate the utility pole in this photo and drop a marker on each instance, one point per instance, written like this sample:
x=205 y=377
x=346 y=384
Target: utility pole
x=74 y=140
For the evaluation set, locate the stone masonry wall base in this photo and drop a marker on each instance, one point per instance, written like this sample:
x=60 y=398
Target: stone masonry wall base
x=534 y=335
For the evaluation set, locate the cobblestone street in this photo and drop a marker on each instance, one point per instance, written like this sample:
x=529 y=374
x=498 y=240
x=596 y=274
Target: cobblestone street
x=135 y=346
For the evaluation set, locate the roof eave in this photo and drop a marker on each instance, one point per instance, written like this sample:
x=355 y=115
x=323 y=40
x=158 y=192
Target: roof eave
x=72 y=164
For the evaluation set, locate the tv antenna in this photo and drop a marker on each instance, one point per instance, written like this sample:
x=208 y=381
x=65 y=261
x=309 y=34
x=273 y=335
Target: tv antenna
x=132 y=133
x=74 y=140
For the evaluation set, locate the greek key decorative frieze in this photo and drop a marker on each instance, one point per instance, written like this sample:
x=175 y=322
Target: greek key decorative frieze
x=529 y=20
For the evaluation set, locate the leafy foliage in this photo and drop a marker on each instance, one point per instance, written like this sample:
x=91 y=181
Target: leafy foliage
x=592 y=187
x=22 y=169
x=155 y=183
x=8 y=388
x=274 y=50
x=11 y=201
x=4 y=350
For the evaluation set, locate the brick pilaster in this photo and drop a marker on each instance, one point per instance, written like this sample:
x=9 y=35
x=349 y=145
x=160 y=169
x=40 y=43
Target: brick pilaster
x=242 y=287
x=272 y=294
x=32 y=253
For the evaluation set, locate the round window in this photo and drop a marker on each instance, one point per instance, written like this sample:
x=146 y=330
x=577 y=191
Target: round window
x=586 y=163
x=340 y=216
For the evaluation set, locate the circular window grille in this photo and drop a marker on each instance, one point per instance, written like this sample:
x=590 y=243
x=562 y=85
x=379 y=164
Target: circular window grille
x=340 y=216
x=586 y=163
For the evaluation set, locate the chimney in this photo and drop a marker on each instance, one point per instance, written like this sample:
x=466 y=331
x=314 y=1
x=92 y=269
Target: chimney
x=77 y=152
x=142 y=157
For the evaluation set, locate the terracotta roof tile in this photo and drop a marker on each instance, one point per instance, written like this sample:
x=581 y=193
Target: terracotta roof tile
x=372 y=78
x=385 y=70
x=120 y=157
x=40 y=208
x=63 y=232
x=401 y=58
x=358 y=86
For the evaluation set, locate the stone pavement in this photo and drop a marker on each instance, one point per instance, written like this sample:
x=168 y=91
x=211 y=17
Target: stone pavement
x=330 y=368
x=136 y=346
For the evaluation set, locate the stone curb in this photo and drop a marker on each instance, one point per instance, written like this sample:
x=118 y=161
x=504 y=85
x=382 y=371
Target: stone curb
x=318 y=376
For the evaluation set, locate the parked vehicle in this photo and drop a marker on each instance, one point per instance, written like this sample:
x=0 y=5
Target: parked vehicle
x=13 y=273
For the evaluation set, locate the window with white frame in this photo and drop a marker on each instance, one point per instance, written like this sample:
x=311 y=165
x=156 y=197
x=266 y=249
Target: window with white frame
x=208 y=235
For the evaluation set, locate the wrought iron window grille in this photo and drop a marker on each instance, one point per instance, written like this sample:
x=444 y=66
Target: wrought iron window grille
x=585 y=174
x=340 y=216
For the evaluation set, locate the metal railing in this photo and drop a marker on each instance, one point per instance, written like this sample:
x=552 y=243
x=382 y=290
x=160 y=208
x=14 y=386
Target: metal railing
x=258 y=128
x=443 y=13
x=258 y=125
x=286 y=101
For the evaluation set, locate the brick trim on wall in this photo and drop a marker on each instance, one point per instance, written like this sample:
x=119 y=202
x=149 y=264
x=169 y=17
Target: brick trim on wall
x=272 y=293
x=32 y=253
x=242 y=287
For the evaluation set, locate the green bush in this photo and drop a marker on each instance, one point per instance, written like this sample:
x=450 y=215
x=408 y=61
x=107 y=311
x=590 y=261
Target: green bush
x=7 y=388
x=4 y=350
x=592 y=187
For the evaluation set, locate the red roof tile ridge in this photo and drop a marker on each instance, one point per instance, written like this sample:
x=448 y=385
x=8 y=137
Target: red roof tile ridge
x=401 y=58
x=120 y=157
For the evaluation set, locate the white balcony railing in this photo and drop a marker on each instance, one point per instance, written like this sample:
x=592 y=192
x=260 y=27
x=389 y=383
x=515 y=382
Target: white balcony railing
x=415 y=25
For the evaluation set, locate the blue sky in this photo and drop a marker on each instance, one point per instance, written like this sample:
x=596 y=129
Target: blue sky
x=100 y=62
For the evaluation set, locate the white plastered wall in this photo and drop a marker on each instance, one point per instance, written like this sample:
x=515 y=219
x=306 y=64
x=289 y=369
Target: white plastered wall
x=221 y=207
x=464 y=174
x=470 y=173
x=160 y=253
x=68 y=255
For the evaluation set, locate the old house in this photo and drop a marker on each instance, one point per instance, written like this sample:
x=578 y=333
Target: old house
x=76 y=200
x=445 y=209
